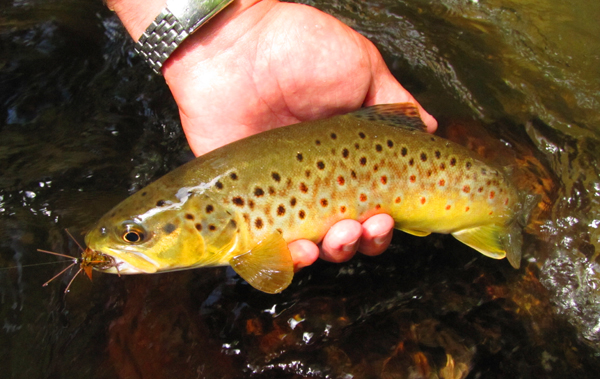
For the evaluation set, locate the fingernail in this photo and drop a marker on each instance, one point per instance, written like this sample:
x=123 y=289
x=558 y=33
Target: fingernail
x=351 y=247
x=382 y=238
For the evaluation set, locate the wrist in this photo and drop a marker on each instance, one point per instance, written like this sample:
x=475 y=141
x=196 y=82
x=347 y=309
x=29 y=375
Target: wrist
x=136 y=15
x=140 y=19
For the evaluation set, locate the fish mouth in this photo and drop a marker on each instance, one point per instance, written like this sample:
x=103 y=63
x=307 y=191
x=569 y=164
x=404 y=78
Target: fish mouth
x=127 y=262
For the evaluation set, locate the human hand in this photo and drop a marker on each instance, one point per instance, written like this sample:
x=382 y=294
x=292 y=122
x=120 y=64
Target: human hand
x=264 y=64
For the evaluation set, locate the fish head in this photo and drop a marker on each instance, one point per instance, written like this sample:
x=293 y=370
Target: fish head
x=167 y=236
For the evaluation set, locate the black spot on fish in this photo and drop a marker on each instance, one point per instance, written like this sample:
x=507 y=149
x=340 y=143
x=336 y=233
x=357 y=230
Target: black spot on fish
x=280 y=230
x=361 y=135
x=276 y=177
x=318 y=143
x=219 y=185
x=353 y=174
x=303 y=187
x=238 y=201
x=363 y=161
x=198 y=227
x=271 y=190
x=169 y=228
x=160 y=203
x=293 y=201
x=484 y=172
x=378 y=147
x=375 y=168
x=144 y=193
x=233 y=223
x=333 y=136
x=251 y=204
x=258 y=192
x=468 y=165
x=301 y=214
x=404 y=151
x=280 y=210
x=432 y=139
x=320 y=165
x=453 y=162
x=442 y=166
x=356 y=146
x=438 y=155
x=189 y=216
x=411 y=162
x=299 y=157
x=209 y=209
x=345 y=153
x=423 y=157
x=324 y=202
x=212 y=228
x=307 y=173
x=390 y=143
x=233 y=176
x=258 y=223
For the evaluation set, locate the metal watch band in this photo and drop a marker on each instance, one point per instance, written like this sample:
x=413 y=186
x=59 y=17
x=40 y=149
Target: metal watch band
x=176 y=22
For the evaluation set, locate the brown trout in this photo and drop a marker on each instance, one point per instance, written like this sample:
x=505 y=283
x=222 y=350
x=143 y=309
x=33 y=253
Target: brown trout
x=241 y=204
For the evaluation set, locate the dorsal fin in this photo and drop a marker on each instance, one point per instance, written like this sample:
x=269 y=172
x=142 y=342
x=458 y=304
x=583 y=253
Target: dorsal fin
x=402 y=115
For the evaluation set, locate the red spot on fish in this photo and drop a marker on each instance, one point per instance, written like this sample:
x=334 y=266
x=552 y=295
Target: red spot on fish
x=442 y=183
x=467 y=209
x=492 y=194
x=506 y=201
x=384 y=179
x=378 y=206
x=467 y=189
x=480 y=189
x=423 y=200
x=491 y=213
x=343 y=209
x=303 y=188
x=324 y=202
x=413 y=178
x=448 y=207
x=340 y=180
x=397 y=200
x=363 y=197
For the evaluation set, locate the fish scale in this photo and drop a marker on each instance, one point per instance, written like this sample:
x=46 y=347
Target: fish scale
x=242 y=203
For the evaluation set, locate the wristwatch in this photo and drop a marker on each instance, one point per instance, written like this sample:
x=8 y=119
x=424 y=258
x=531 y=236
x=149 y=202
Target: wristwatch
x=176 y=21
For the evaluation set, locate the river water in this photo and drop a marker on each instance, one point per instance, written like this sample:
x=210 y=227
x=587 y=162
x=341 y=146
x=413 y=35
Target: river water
x=84 y=123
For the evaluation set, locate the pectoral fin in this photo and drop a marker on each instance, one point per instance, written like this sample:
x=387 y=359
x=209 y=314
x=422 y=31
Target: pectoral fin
x=494 y=241
x=268 y=267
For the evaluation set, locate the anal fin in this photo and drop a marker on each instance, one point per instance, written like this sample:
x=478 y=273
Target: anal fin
x=268 y=266
x=494 y=241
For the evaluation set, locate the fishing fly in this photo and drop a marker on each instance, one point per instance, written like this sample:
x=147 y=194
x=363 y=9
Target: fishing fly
x=87 y=261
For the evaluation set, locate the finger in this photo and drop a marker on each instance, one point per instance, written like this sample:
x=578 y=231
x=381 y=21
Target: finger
x=377 y=234
x=341 y=241
x=385 y=89
x=304 y=253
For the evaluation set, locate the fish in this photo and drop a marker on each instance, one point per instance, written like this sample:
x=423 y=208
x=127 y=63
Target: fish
x=241 y=204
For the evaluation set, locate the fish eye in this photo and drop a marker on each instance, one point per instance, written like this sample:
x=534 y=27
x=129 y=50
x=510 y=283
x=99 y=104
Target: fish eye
x=133 y=234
